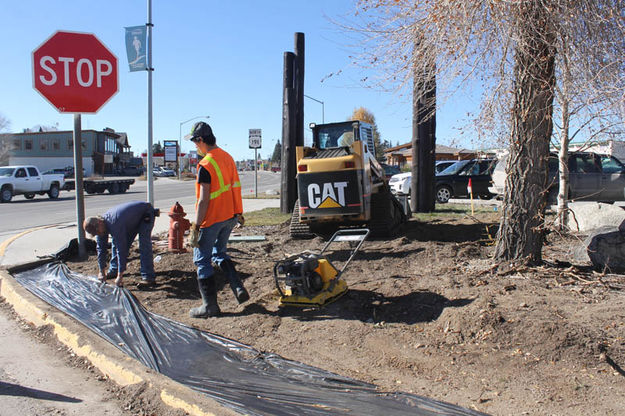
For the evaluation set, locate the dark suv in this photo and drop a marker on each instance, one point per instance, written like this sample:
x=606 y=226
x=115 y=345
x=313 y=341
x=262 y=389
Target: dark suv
x=453 y=181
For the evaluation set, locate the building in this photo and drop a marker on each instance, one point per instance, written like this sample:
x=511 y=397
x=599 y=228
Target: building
x=103 y=152
x=402 y=154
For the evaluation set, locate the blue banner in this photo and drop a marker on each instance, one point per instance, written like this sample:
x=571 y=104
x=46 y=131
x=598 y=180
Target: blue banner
x=136 y=48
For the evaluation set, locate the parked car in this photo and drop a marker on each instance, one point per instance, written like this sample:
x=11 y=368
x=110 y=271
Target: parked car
x=441 y=165
x=592 y=177
x=400 y=182
x=453 y=182
x=163 y=172
x=28 y=181
x=390 y=170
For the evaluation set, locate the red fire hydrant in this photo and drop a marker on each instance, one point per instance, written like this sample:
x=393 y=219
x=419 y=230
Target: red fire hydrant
x=177 y=227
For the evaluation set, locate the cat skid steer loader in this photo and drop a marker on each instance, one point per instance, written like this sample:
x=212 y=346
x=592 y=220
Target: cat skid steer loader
x=341 y=184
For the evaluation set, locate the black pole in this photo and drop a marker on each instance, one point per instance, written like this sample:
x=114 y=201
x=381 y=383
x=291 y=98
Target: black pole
x=80 y=197
x=422 y=195
x=288 y=187
x=299 y=87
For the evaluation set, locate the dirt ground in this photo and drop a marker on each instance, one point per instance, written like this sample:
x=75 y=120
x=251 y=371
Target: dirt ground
x=430 y=314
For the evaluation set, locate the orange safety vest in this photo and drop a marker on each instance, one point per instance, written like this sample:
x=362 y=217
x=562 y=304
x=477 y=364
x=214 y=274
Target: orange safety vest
x=225 y=188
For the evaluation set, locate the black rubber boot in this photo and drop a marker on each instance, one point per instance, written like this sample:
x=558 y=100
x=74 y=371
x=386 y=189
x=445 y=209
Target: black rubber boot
x=227 y=267
x=209 y=300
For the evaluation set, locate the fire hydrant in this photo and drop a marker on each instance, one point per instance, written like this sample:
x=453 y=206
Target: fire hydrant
x=177 y=227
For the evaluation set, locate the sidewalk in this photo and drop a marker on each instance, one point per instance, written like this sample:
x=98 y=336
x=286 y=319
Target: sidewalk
x=32 y=244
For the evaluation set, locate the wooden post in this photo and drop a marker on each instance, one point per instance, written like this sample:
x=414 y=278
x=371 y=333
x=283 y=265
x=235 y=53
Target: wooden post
x=423 y=181
x=427 y=150
x=299 y=87
x=288 y=187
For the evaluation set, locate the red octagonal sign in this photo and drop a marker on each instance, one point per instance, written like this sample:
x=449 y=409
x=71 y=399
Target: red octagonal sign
x=75 y=72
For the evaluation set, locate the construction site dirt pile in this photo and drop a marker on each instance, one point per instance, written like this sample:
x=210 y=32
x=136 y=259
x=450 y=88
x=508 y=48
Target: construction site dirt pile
x=429 y=313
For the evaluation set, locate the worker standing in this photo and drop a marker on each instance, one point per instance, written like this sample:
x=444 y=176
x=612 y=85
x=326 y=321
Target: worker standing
x=123 y=222
x=218 y=210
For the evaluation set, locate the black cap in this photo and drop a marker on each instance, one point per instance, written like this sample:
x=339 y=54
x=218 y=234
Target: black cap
x=200 y=129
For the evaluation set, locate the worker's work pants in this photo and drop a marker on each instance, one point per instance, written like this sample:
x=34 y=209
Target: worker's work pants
x=145 y=249
x=213 y=243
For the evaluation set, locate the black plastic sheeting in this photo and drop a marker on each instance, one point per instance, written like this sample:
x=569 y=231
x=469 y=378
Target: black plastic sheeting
x=235 y=375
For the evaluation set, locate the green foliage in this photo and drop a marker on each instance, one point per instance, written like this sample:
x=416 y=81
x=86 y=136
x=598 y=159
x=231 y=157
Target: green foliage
x=276 y=158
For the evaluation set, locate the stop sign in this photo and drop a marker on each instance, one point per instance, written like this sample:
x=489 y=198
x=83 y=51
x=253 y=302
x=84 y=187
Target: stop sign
x=75 y=72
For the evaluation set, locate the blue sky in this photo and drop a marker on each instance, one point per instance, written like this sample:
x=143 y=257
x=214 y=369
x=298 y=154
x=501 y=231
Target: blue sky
x=223 y=59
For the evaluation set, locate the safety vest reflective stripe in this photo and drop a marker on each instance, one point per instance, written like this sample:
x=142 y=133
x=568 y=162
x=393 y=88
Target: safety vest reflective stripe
x=237 y=184
x=222 y=187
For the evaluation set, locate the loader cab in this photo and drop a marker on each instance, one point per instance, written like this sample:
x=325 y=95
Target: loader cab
x=342 y=134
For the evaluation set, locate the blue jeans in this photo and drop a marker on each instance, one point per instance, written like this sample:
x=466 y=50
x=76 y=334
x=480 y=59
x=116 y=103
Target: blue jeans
x=145 y=249
x=212 y=247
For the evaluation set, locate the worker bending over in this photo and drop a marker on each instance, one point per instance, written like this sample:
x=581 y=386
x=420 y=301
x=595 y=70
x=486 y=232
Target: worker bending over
x=123 y=222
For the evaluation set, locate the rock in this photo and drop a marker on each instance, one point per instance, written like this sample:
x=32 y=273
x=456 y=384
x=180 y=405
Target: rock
x=605 y=248
x=589 y=216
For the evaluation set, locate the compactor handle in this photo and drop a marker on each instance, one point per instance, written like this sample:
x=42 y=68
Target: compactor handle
x=348 y=235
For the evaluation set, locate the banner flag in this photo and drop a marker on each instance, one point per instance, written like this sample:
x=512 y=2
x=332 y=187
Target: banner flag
x=136 y=48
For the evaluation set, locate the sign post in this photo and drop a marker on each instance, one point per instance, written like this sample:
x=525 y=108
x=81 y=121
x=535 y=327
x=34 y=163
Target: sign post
x=77 y=74
x=255 y=143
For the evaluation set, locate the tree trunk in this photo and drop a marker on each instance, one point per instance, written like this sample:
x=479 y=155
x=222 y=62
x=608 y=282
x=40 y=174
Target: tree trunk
x=521 y=233
x=563 y=156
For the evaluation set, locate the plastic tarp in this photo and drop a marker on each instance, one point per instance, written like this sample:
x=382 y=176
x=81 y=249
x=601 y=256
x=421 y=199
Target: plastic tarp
x=235 y=375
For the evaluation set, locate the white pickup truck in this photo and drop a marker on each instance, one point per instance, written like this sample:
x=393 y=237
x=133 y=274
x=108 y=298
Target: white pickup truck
x=28 y=181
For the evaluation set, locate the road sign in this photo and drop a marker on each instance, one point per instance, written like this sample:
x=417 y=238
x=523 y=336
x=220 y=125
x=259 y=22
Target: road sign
x=171 y=148
x=255 y=139
x=75 y=72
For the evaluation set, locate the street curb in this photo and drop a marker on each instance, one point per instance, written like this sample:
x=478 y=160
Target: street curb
x=113 y=363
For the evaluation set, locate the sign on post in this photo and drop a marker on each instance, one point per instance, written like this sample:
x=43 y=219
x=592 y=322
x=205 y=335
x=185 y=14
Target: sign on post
x=171 y=149
x=255 y=139
x=75 y=72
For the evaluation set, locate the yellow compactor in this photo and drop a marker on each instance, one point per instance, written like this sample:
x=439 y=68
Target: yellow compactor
x=310 y=279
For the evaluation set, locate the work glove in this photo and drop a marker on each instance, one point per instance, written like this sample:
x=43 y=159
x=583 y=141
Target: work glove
x=194 y=236
x=240 y=219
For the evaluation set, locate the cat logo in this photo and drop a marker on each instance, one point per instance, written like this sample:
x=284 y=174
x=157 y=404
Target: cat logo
x=329 y=195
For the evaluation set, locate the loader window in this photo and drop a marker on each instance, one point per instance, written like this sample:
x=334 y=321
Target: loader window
x=335 y=136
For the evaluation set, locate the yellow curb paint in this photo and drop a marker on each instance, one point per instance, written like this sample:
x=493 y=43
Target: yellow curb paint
x=32 y=313
x=177 y=403
x=8 y=241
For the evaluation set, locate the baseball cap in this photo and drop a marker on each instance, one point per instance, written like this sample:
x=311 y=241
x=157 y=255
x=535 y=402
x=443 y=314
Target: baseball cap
x=199 y=129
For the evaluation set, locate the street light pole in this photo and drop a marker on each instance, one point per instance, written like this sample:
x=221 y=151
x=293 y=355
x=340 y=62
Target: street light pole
x=180 y=142
x=322 y=107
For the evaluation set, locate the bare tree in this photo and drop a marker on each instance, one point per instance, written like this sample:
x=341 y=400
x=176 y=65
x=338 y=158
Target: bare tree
x=5 y=140
x=509 y=49
x=588 y=103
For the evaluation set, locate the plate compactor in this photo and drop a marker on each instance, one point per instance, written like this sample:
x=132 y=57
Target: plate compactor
x=309 y=279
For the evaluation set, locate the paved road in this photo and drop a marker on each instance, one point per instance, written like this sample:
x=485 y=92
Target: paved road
x=21 y=214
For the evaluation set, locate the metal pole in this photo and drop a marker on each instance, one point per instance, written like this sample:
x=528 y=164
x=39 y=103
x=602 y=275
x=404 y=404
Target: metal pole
x=256 y=172
x=323 y=118
x=150 y=139
x=80 y=197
